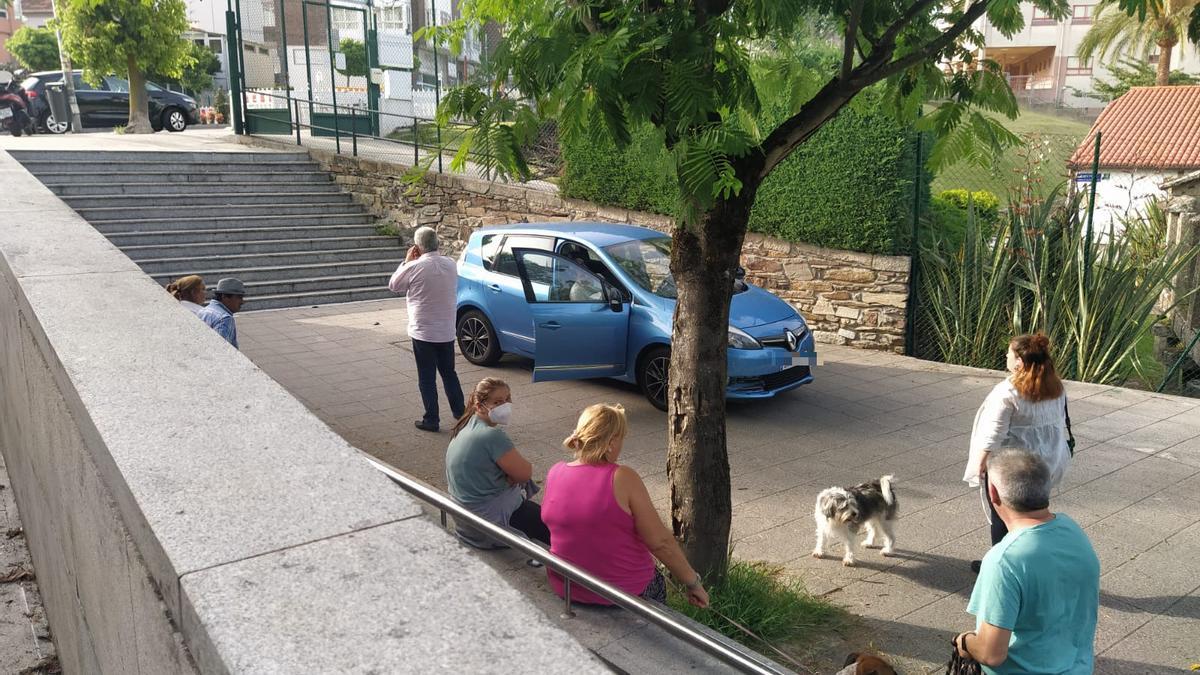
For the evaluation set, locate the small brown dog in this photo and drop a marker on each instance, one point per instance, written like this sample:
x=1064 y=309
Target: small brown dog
x=866 y=664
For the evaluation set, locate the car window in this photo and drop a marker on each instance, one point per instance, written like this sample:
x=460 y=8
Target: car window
x=117 y=84
x=505 y=263
x=83 y=85
x=554 y=278
x=30 y=83
x=648 y=263
x=487 y=249
x=153 y=87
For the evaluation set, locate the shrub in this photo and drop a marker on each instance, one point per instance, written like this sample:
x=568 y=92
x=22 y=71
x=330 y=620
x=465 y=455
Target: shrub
x=986 y=204
x=762 y=598
x=849 y=187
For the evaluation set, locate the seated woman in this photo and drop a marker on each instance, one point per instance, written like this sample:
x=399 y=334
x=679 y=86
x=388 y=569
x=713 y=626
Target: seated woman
x=190 y=292
x=485 y=472
x=601 y=518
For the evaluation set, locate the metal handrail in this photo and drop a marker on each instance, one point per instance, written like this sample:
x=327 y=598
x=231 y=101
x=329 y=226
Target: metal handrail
x=728 y=652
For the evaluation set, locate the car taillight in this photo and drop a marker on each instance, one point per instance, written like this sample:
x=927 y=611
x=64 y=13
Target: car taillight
x=32 y=93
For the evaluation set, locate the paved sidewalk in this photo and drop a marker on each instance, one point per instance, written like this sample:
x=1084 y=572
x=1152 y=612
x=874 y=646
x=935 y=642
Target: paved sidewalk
x=1131 y=483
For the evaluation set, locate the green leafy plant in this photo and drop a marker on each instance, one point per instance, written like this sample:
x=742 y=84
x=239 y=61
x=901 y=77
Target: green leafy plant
x=197 y=75
x=387 y=230
x=764 y=599
x=986 y=204
x=356 y=58
x=1128 y=74
x=1159 y=27
x=34 y=48
x=130 y=36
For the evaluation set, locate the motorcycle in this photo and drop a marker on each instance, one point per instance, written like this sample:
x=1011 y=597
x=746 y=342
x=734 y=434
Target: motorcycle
x=14 y=106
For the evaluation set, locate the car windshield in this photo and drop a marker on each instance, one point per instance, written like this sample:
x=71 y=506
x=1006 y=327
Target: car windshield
x=648 y=263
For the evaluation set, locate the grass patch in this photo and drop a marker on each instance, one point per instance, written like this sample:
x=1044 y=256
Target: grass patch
x=1148 y=371
x=387 y=230
x=1052 y=142
x=761 y=597
x=426 y=135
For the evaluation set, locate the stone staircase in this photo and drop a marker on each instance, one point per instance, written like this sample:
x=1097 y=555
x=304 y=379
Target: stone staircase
x=272 y=219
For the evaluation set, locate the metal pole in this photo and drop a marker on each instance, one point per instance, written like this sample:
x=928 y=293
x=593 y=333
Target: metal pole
x=337 y=131
x=443 y=512
x=416 y=148
x=297 y=108
x=437 y=83
x=1179 y=361
x=567 y=611
x=241 y=49
x=284 y=57
x=1087 y=250
x=64 y=61
x=307 y=64
x=914 y=266
x=354 y=128
x=235 y=65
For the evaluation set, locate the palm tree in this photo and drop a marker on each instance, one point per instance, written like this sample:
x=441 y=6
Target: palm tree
x=1114 y=31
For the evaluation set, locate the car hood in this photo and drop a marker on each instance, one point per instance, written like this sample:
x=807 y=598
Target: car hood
x=755 y=307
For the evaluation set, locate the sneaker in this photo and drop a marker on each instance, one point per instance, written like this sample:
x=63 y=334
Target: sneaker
x=420 y=424
x=976 y=565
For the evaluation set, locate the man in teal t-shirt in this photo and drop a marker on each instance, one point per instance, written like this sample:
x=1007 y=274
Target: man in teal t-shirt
x=1038 y=591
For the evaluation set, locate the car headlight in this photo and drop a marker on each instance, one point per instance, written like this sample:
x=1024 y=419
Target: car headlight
x=739 y=339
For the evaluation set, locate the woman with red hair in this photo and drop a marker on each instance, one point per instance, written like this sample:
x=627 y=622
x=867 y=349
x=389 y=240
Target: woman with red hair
x=1027 y=410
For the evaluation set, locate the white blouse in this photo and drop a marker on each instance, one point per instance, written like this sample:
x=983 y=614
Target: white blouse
x=1006 y=420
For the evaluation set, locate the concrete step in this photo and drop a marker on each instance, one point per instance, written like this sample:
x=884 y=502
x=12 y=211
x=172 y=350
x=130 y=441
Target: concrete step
x=41 y=167
x=187 y=265
x=226 y=222
x=321 y=184
x=166 y=213
x=278 y=286
x=178 y=200
x=266 y=246
x=123 y=239
x=115 y=156
x=315 y=298
x=266 y=274
x=118 y=175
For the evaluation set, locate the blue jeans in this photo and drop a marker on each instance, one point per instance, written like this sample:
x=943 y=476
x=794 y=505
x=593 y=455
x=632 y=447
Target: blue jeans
x=433 y=358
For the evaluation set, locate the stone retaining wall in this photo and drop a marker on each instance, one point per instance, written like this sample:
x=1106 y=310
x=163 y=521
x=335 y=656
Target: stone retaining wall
x=848 y=298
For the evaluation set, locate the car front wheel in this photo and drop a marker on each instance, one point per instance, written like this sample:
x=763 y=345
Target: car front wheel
x=173 y=119
x=477 y=339
x=652 y=376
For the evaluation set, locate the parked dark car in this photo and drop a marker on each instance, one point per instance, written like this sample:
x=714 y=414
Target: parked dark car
x=107 y=105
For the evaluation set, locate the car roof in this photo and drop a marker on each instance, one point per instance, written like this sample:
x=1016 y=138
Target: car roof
x=599 y=234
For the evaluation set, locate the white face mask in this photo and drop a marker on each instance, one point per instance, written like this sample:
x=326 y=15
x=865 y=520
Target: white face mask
x=501 y=414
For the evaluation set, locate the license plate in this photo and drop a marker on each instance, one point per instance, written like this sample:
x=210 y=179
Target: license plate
x=800 y=360
x=5 y=113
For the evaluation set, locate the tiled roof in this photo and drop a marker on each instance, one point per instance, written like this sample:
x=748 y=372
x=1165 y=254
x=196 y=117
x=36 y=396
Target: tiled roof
x=37 y=6
x=1147 y=128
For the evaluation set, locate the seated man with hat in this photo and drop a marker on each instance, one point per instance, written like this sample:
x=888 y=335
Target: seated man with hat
x=227 y=300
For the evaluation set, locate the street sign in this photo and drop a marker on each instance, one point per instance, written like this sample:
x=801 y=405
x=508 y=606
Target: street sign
x=1087 y=177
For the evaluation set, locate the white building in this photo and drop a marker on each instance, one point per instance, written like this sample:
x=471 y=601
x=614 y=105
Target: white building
x=1041 y=58
x=1149 y=136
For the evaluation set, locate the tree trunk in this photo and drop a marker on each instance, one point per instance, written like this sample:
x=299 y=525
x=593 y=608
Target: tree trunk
x=139 y=103
x=1163 y=75
x=703 y=260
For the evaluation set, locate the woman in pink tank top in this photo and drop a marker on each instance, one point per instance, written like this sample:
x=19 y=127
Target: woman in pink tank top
x=601 y=518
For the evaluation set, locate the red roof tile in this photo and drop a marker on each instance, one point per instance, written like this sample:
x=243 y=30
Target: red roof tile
x=1147 y=128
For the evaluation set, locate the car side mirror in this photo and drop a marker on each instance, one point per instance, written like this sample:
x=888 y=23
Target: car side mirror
x=615 y=301
x=739 y=273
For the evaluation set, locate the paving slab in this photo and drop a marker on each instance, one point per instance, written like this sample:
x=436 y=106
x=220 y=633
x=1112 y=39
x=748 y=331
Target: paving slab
x=867 y=413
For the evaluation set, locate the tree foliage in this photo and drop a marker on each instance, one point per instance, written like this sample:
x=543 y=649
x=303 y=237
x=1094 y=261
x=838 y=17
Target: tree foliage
x=127 y=36
x=1159 y=29
x=197 y=75
x=35 y=49
x=1128 y=74
x=356 y=58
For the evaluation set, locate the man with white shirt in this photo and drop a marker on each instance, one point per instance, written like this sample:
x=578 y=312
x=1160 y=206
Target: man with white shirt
x=430 y=282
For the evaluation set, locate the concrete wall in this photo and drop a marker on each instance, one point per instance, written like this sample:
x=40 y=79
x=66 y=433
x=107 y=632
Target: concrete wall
x=1183 y=229
x=848 y=298
x=185 y=514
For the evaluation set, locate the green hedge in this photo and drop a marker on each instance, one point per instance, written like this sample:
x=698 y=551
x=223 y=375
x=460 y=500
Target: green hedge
x=850 y=187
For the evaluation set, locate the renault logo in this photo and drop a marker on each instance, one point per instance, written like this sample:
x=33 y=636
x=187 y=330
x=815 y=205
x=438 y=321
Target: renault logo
x=792 y=341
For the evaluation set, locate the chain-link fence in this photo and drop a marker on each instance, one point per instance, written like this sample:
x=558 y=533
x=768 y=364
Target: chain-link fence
x=354 y=77
x=1019 y=246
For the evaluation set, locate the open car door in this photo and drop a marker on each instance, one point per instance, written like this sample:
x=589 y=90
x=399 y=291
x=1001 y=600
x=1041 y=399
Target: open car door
x=581 y=324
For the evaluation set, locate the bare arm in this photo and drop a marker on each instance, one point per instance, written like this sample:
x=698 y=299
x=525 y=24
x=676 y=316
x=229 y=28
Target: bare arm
x=517 y=468
x=630 y=491
x=988 y=645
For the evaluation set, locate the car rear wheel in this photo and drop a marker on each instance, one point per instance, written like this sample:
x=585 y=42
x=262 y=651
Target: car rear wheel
x=477 y=339
x=52 y=125
x=653 y=376
x=173 y=119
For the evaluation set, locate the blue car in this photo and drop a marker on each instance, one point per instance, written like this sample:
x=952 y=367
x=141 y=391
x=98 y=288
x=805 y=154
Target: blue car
x=596 y=300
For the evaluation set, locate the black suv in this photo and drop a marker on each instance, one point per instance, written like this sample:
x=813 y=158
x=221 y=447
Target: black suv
x=107 y=105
